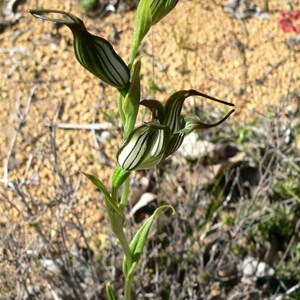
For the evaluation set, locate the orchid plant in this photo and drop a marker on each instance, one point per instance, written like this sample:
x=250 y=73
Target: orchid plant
x=145 y=146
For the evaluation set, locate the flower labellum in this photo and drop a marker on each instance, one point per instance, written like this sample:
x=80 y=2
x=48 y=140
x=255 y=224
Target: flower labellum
x=94 y=53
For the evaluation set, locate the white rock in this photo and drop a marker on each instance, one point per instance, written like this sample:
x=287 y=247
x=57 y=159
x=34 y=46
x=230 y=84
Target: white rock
x=264 y=270
x=192 y=148
x=49 y=265
x=249 y=266
x=253 y=269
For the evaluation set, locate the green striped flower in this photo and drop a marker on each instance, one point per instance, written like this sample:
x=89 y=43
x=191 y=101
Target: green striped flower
x=160 y=8
x=150 y=143
x=94 y=53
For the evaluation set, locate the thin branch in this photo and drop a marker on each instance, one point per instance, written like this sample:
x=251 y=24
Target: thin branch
x=95 y=126
x=21 y=122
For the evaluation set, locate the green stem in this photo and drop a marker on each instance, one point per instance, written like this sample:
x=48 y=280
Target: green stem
x=125 y=194
x=120 y=108
x=125 y=245
x=133 y=52
x=132 y=58
x=116 y=223
x=128 y=285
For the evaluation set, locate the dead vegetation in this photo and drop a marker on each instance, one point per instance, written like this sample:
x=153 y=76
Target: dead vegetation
x=250 y=210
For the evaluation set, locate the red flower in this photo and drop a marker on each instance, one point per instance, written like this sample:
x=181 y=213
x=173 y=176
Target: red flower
x=288 y=20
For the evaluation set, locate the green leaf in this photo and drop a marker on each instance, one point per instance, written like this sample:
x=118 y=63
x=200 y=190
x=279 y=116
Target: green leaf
x=110 y=292
x=87 y=4
x=139 y=240
x=149 y=12
x=130 y=104
x=111 y=204
x=119 y=177
x=98 y=183
x=94 y=53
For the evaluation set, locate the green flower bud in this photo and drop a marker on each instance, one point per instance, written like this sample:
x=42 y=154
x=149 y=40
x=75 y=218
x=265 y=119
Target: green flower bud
x=160 y=8
x=94 y=53
x=149 y=12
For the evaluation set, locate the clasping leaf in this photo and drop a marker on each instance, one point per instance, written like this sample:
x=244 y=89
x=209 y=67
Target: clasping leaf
x=139 y=240
x=130 y=104
x=111 y=205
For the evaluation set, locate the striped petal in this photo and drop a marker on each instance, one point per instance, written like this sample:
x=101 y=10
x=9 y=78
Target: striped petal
x=144 y=147
x=156 y=108
x=174 y=143
x=94 y=53
x=173 y=109
x=159 y=146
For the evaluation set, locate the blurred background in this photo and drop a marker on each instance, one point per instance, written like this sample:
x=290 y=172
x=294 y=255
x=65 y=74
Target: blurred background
x=235 y=188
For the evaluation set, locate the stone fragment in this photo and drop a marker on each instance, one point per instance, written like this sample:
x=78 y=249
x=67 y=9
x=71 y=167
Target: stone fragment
x=253 y=269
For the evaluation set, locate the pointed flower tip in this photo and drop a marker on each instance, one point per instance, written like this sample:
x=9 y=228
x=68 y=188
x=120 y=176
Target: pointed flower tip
x=57 y=16
x=172 y=209
x=196 y=93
